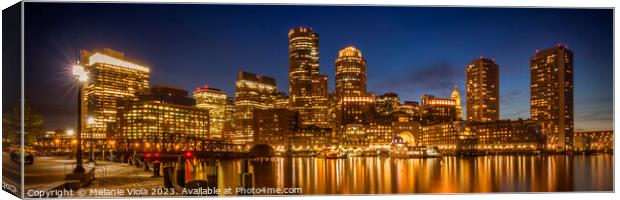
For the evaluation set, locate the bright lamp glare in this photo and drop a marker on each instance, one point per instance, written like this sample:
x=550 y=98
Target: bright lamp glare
x=91 y=120
x=78 y=71
x=70 y=132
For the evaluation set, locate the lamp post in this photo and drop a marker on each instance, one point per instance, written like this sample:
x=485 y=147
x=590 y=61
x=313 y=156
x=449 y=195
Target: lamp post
x=81 y=76
x=91 y=121
x=69 y=134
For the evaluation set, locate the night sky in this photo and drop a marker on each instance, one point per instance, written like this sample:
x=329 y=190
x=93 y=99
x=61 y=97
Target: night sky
x=409 y=50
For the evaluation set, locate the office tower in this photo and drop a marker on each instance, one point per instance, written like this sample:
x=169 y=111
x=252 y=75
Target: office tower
x=456 y=96
x=275 y=127
x=111 y=77
x=282 y=101
x=228 y=132
x=159 y=118
x=350 y=73
x=319 y=111
x=386 y=105
x=215 y=101
x=482 y=90
x=355 y=110
x=307 y=88
x=166 y=93
x=437 y=110
x=412 y=108
x=551 y=87
x=251 y=92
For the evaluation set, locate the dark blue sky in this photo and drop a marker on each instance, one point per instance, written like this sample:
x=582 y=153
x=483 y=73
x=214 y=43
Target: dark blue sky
x=409 y=50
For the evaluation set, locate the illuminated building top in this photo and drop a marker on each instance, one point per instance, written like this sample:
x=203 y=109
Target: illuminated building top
x=482 y=90
x=350 y=73
x=102 y=58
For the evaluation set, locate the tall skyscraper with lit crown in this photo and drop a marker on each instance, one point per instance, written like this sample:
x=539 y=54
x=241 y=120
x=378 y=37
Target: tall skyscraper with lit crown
x=350 y=73
x=307 y=88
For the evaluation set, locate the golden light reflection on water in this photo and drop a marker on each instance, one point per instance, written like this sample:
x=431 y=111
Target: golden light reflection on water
x=380 y=175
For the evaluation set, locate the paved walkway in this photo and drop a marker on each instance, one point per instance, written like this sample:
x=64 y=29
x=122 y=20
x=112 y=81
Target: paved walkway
x=48 y=173
x=112 y=177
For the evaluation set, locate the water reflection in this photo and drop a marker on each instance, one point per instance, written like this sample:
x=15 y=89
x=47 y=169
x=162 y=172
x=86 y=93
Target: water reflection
x=380 y=175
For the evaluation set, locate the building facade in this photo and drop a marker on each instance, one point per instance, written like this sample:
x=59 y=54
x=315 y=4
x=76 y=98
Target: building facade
x=411 y=108
x=386 y=105
x=307 y=88
x=160 y=119
x=214 y=100
x=482 y=92
x=311 y=138
x=551 y=95
x=111 y=77
x=354 y=137
x=594 y=141
x=380 y=135
x=456 y=96
x=437 y=110
x=275 y=127
x=228 y=131
x=251 y=92
x=282 y=101
x=449 y=137
x=355 y=110
x=506 y=136
x=350 y=73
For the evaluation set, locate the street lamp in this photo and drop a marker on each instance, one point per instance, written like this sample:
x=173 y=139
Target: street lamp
x=81 y=76
x=91 y=121
x=70 y=133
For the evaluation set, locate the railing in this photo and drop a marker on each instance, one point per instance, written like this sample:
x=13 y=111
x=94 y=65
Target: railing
x=95 y=167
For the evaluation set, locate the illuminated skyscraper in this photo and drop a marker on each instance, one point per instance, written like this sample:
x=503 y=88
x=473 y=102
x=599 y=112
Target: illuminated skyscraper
x=482 y=92
x=228 y=132
x=350 y=73
x=307 y=88
x=111 y=77
x=215 y=101
x=251 y=92
x=551 y=87
x=456 y=96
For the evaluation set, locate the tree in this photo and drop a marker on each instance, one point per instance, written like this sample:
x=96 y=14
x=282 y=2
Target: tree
x=33 y=126
x=11 y=125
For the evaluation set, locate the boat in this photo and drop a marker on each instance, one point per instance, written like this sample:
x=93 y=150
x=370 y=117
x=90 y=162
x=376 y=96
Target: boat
x=400 y=149
x=355 y=153
x=331 y=153
x=414 y=152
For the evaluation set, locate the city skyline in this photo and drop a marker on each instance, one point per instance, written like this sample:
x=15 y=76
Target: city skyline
x=428 y=79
